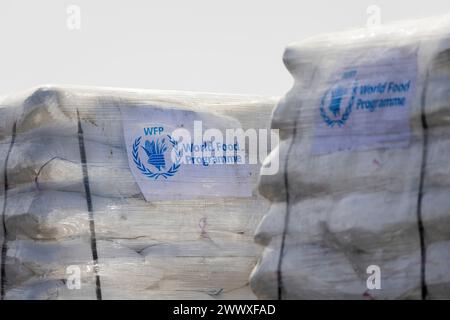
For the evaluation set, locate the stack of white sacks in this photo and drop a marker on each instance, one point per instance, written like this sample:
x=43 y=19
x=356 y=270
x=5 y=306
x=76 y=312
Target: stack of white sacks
x=358 y=194
x=190 y=249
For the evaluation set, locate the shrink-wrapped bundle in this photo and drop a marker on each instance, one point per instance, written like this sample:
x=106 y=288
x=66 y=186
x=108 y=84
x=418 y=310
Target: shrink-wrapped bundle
x=359 y=208
x=96 y=206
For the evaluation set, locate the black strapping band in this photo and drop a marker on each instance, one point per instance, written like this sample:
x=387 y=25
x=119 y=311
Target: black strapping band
x=87 y=189
x=287 y=216
x=288 y=199
x=423 y=252
x=5 y=235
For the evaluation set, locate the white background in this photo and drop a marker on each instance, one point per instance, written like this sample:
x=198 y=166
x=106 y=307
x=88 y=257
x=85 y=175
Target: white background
x=232 y=46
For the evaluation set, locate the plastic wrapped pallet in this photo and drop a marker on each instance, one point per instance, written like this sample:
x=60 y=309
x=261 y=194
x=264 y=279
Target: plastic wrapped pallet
x=71 y=199
x=364 y=176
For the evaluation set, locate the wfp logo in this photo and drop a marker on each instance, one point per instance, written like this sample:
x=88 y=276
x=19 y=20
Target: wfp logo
x=156 y=149
x=336 y=105
x=155 y=152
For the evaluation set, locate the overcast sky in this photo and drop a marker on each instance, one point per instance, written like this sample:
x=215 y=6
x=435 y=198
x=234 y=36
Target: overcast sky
x=232 y=46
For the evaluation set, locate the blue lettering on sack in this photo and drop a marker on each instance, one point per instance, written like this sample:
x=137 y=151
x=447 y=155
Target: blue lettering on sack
x=153 y=131
x=152 y=150
x=337 y=102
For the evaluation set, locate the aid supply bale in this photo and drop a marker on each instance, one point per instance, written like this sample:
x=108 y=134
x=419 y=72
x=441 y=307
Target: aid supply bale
x=364 y=169
x=72 y=200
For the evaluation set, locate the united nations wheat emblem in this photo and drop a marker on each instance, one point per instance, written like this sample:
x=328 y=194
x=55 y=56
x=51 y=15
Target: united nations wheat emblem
x=156 y=151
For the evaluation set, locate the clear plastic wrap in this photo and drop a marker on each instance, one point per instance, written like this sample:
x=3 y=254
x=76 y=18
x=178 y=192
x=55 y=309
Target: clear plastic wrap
x=364 y=174
x=72 y=208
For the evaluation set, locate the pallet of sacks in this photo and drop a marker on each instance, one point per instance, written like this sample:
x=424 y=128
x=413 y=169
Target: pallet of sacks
x=360 y=208
x=184 y=249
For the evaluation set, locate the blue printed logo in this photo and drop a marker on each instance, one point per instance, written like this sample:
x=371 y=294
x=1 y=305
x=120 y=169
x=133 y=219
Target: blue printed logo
x=337 y=103
x=157 y=151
